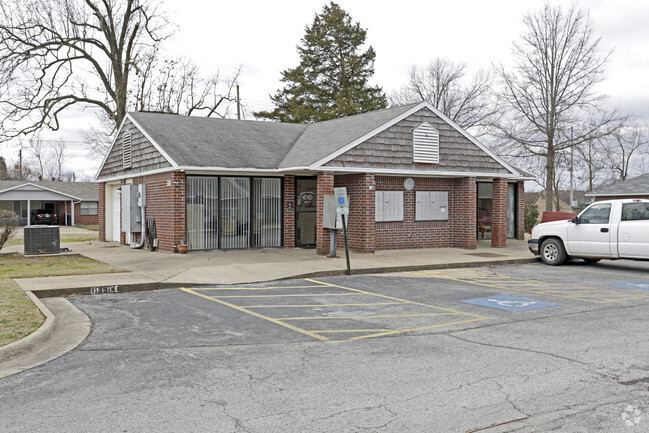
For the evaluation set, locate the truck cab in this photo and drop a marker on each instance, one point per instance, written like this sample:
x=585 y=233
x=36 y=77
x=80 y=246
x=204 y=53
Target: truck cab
x=611 y=229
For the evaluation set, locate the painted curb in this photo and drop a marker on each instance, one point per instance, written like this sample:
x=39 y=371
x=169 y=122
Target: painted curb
x=36 y=338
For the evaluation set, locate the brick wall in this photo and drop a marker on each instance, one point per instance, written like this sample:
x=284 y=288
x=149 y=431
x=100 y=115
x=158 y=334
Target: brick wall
x=289 y=211
x=410 y=233
x=361 y=227
x=462 y=213
x=520 y=210
x=101 y=212
x=165 y=202
x=325 y=186
x=499 y=214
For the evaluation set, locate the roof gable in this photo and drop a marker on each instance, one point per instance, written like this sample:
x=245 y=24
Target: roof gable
x=392 y=149
x=18 y=190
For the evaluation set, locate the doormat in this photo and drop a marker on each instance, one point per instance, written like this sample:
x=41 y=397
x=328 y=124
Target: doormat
x=486 y=255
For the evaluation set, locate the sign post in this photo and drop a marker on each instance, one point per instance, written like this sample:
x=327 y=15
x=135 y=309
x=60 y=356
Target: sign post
x=342 y=209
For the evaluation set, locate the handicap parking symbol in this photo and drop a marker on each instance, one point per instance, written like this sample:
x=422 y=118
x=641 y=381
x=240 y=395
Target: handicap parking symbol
x=509 y=303
x=644 y=285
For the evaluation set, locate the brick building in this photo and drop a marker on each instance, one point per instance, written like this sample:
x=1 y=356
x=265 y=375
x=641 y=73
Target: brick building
x=72 y=202
x=414 y=180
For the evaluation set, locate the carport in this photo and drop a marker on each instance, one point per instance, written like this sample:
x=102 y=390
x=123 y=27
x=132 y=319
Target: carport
x=22 y=198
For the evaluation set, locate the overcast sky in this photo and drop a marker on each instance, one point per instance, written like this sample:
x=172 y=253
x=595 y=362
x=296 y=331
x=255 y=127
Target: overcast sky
x=262 y=36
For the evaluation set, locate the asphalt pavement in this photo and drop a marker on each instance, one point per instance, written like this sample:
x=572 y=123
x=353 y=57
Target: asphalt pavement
x=571 y=358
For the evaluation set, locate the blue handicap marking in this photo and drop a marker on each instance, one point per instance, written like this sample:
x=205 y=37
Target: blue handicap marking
x=509 y=303
x=632 y=284
x=341 y=200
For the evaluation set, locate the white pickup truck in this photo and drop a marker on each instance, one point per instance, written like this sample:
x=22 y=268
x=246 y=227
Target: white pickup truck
x=611 y=229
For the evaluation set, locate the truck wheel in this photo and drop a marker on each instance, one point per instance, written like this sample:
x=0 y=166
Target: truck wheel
x=552 y=252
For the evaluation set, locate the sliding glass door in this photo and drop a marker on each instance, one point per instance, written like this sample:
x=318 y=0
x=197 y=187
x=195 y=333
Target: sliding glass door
x=233 y=212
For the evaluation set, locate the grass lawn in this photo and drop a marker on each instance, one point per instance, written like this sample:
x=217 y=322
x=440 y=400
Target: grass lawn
x=19 y=317
x=92 y=235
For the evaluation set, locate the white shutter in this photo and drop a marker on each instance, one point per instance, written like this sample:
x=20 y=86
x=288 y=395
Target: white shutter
x=127 y=160
x=425 y=144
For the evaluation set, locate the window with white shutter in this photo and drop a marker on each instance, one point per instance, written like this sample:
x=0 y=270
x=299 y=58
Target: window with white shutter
x=425 y=144
x=127 y=160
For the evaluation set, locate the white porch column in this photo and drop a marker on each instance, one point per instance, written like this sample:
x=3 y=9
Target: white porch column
x=72 y=211
x=65 y=215
x=29 y=212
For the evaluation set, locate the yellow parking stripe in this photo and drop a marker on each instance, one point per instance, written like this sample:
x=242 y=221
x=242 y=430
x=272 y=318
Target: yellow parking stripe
x=287 y=296
x=364 y=317
x=332 y=331
x=580 y=293
x=256 y=288
x=324 y=305
x=368 y=333
x=397 y=299
x=261 y=316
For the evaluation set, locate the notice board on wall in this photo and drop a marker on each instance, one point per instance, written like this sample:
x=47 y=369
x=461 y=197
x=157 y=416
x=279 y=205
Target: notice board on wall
x=431 y=206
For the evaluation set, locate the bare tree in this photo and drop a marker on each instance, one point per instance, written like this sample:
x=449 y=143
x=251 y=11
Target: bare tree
x=177 y=86
x=38 y=151
x=623 y=148
x=465 y=100
x=57 y=159
x=55 y=54
x=590 y=160
x=552 y=88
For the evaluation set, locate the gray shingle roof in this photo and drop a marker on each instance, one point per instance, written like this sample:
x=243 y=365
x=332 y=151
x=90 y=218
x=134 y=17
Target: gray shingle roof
x=324 y=138
x=86 y=191
x=206 y=142
x=636 y=186
x=200 y=141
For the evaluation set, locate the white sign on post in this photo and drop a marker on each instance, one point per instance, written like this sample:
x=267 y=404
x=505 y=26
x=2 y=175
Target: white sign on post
x=342 y=202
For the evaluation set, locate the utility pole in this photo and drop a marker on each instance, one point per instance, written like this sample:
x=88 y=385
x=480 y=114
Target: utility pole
x=572 y=163
x=238 y=104
x=20 y=164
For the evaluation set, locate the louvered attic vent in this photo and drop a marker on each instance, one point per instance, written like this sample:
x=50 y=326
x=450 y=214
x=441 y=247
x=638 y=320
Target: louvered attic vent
x=425 y=144
x=127 y=160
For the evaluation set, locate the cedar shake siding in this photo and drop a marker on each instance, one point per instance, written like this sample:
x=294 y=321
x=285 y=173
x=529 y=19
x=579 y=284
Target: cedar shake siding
x=392 y=149
x=145 y=157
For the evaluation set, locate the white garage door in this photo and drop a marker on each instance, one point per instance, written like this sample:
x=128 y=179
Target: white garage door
x=116 y=213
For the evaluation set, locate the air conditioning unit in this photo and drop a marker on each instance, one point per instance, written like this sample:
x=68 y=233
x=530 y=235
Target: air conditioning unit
x=42 y=240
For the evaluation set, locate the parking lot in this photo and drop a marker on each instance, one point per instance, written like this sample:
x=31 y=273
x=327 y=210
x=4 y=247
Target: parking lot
x=515 y=348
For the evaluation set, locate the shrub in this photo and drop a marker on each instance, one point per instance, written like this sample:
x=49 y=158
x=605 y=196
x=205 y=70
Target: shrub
x=531 y=216
x=8 y=222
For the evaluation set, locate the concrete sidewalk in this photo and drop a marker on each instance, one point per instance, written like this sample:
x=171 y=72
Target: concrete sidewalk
x=151 y=270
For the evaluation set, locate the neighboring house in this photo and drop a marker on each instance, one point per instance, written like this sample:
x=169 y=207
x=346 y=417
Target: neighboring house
x=414 y=180
x=538 y=199
x=73 y=202
x=637 y=187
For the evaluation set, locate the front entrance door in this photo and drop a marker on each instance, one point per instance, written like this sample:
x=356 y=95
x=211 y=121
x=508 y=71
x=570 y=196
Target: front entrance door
x=306 y=211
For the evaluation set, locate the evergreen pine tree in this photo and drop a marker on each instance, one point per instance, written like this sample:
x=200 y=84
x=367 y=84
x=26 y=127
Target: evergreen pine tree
x=331 y=80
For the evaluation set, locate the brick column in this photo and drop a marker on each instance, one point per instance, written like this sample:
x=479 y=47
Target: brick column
x=325 y=186
x=366 y=205
x=289 y=211
x=499 y=214
x=520 y=210
x=462 y=213
x=178 y=208
x=101 y=212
